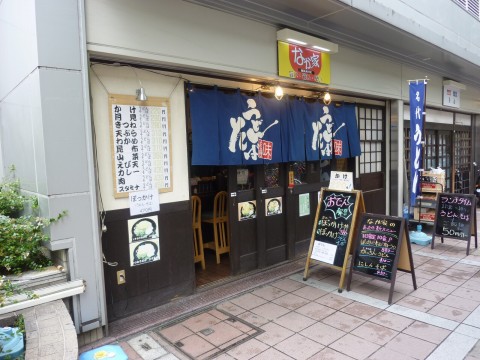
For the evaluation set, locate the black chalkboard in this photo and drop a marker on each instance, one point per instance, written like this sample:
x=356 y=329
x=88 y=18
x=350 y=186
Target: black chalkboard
x=333 y=223
x=333 y=229
x=377 y=245
x=381 y=247
x=455 y=217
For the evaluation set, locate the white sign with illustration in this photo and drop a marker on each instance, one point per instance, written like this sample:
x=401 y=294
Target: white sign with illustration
x=247 y=210
x=273 y=206
x=143 y=239
x=340 y=180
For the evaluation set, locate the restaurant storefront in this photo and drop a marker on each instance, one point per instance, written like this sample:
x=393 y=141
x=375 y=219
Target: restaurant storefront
x=271 y=200
x=81 y=64
x=262 y=160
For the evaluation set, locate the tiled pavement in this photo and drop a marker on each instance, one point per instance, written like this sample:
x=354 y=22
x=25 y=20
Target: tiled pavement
x=289 y=318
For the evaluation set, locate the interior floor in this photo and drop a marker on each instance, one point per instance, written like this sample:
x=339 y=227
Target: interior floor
x=213 y=271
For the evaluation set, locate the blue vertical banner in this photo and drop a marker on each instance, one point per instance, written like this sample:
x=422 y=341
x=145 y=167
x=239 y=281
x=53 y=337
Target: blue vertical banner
x=417 y=115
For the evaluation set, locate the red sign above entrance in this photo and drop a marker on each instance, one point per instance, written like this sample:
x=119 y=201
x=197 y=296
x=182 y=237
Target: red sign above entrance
x=303 y=63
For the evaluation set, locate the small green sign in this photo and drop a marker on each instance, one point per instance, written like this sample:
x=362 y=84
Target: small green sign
x=304 y=204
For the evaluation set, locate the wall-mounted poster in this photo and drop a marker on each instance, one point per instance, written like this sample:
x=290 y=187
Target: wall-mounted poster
x=247 y=210
x=144 y=244
x=304 y=204
x=140 y=137
x=273 y=206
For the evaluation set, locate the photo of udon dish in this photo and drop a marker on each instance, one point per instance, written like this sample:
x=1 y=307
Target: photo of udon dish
x=274 y=207
x=247 y=210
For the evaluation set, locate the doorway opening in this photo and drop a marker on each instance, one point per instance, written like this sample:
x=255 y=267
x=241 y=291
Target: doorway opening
x=208 y=185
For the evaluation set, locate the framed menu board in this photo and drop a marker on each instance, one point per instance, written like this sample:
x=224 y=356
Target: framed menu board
x=140 y=138
x=382 y=246
x=456 y=217
x=333 y=229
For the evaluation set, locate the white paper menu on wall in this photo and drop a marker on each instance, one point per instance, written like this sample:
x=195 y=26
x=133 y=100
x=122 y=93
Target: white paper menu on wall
x=140 y=137
x=340 y=180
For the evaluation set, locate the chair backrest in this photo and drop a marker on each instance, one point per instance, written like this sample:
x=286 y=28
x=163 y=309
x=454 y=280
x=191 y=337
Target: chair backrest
x=196 y=210
x=220 y=209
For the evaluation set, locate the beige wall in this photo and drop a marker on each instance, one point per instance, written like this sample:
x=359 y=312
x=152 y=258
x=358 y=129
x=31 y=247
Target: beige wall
x=122 y=80
x=183 y=36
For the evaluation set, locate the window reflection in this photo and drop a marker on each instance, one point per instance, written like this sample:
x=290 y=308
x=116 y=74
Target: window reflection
x=271 y=173
x=299 y=172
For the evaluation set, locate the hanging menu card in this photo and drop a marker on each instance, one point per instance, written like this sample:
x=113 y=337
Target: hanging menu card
x=141 y=144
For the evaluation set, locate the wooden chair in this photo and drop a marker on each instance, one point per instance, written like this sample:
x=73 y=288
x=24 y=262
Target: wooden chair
x=221 y=234
x=197 y=231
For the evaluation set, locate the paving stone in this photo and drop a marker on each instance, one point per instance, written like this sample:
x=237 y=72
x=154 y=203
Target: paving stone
x=146 y=347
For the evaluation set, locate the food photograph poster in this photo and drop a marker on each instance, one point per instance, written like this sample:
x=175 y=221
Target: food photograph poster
x=247 y=210
x=144 y=244
x=273 y=206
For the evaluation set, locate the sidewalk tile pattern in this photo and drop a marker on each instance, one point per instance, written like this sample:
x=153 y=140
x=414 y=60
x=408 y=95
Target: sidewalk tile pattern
x=288 y=318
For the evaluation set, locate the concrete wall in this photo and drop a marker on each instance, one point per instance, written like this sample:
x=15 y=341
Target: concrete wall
x=189 y=37
x=445 y=24
x=45 y=132
x=186 y=36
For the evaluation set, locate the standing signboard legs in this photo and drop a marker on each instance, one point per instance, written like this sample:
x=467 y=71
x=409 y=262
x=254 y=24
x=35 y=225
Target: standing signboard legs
x=381 y=247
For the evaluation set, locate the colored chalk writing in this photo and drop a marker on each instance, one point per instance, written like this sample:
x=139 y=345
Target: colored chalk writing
x=378 y=242
x=332 y=226
x=381 y=247
x=454 y=215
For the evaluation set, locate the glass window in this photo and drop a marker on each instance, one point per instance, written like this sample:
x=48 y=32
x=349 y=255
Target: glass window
x=371 y=140
x=245 y=177
x=272 y=175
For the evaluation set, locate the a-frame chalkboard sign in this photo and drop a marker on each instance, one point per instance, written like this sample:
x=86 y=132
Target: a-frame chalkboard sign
x=333 y=228
x=455 y=217
x=381 y=247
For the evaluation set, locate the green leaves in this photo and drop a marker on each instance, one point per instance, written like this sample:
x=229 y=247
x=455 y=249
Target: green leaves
x=21 y=242
x=21 y=237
